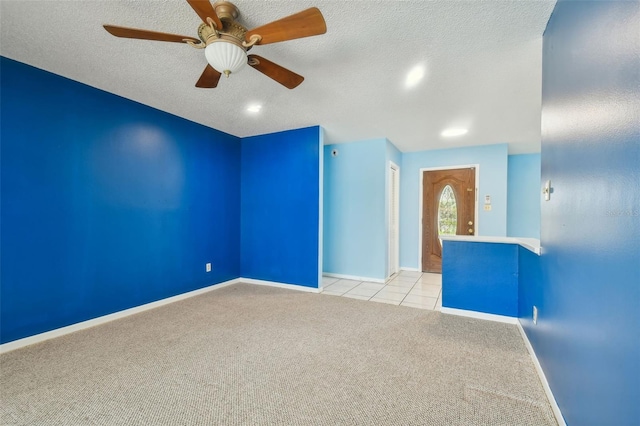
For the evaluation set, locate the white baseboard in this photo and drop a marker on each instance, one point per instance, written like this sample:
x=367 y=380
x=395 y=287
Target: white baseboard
x=354 y=278
x=547 y=390
x=37 y=338
x=479 y=315
x=402 y=268
x=279 y=285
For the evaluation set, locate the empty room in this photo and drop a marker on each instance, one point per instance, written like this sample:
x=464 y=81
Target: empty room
x=320 y=213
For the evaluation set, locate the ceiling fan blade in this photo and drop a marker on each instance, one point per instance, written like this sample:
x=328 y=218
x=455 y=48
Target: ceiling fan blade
x=307 y=23
x=209 y=78
x=205 y=10
x=147 y=35
x=288 y=79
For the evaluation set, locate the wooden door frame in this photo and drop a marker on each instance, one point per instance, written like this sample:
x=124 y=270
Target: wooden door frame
x=393 y=165
x=435 y=169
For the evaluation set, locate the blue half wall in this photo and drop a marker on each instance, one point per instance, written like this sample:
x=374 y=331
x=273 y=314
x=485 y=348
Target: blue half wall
x=480 y=277
x=106 y=203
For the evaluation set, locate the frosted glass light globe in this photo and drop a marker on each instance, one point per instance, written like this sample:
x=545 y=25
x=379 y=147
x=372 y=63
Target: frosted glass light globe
x=225 y=57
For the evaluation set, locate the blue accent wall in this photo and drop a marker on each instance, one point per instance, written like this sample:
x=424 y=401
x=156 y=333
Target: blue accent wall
x=106 y=203
x=481 y=277
x=493 y=181
x=280 y=207
x=588 y=293
x=524 y=193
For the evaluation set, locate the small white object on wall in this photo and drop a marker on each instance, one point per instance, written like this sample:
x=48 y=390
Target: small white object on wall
x=487 y=203
x=547 y=190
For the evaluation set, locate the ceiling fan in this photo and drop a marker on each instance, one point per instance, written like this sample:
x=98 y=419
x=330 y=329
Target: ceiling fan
x=226 y=42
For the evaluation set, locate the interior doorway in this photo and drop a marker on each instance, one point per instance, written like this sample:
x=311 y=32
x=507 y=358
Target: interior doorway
x=448 y=208
x=394 y=212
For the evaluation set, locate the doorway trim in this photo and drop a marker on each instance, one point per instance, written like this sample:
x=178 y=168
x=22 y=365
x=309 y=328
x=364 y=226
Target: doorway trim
x=396 y=249
x=433 y=169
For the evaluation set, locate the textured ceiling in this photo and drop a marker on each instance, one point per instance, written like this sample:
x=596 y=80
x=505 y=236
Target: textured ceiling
x=483 y=62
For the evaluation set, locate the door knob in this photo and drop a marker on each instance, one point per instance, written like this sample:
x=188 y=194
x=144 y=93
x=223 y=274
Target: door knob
x=470 y=231
x=470 y=223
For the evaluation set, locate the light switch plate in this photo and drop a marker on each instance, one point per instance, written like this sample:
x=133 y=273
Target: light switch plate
x=547 y=190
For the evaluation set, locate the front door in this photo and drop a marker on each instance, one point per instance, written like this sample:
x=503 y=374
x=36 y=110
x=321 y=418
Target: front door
x=448 y=208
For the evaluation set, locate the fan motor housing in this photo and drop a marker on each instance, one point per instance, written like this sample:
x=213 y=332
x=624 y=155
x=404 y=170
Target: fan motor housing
x=231 y=30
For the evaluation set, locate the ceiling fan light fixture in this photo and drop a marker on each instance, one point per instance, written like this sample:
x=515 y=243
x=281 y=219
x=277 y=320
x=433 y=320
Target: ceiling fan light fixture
x=225 y=56
x=226 y=41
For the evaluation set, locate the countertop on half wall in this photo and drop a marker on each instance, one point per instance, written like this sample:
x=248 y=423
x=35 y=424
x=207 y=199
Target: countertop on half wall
x=532 y=244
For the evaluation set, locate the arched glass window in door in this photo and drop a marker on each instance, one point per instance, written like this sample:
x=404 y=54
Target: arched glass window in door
x=447 y=213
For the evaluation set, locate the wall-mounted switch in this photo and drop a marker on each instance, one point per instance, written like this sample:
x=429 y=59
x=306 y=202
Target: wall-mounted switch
x=487 y=203
x=208 y=267
x=547 y=190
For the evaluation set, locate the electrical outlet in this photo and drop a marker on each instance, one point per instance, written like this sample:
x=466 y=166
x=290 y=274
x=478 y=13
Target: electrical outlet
x=208 y=267
x=535 y=315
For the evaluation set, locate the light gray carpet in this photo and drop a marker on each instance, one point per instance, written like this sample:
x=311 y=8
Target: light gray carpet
x=251 y=355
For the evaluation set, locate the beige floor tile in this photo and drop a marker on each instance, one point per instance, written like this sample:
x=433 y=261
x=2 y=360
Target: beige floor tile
x=431 y=278
x=407 y=288
x=406 y=279
x=332 y=293
x=428 y=284
x=355 y=296
x=413 y=305
x=363 y=291
x=426 y=290
x=344 y=281
x=384 y=294
x=328 y=281
x=342 y=285
x=380 y=300
x=398 y=283
x=410 y=273
x=396 y=289
x=426 y=302
x=368 y=284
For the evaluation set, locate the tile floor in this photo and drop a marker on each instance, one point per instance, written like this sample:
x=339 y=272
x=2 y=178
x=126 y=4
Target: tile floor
x=407 y=288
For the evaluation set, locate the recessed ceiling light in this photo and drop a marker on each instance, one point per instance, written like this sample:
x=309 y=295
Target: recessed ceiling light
x=414 y=76
x=254 y=108
x=453 y=132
